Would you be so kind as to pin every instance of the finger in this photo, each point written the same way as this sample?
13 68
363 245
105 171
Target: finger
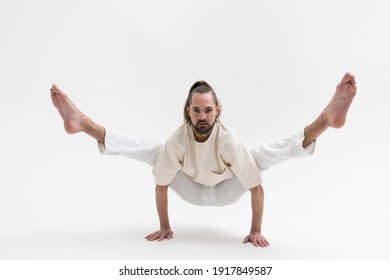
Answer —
153 236
148 236
161 237
264 242
246 239
165 235
253 241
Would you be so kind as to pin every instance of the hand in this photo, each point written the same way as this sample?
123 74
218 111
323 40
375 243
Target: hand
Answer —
160 235
256 239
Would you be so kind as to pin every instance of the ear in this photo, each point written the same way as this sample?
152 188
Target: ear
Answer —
188 110
218 108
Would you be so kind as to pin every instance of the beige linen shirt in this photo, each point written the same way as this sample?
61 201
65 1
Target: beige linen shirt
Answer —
219 158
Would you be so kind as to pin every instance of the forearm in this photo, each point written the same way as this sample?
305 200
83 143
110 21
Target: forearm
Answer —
162 206
257 200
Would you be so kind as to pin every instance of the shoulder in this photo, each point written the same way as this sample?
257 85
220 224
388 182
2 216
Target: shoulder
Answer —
179 136
227 137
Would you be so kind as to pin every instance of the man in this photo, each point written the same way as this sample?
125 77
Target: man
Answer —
203 161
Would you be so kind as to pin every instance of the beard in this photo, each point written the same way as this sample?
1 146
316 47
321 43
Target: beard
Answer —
203 127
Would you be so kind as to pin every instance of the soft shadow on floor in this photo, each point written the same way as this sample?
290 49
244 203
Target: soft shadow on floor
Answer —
189 242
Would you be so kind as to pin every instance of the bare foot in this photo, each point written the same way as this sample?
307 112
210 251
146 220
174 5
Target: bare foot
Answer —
336 111
73 118
335 114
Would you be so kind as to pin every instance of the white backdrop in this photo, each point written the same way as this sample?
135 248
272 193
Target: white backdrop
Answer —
129 65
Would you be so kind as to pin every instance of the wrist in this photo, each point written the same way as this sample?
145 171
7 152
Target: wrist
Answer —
252 231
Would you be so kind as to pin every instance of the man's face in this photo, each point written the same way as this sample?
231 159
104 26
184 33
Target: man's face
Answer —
203 112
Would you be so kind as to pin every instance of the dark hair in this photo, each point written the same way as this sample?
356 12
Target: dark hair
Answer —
200 87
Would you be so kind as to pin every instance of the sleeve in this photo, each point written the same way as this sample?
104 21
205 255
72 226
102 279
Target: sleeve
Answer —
243 165
169 162
127 145
274 152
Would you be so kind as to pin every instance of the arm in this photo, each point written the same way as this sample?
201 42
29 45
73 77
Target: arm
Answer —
244 168
168 163
257 200
162 210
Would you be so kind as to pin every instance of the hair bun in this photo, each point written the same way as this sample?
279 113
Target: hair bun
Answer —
198 84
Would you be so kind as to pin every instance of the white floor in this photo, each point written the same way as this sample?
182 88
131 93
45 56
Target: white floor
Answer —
305 217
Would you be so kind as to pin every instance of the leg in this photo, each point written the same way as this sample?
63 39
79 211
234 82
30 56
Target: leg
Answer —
335 114
129 146
302 143
225 193
74 120
189 190
229 191
272 153
110 143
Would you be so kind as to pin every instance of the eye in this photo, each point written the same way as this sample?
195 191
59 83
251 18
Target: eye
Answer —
196 110
208 110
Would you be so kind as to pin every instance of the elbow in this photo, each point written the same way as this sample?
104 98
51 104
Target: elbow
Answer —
161 189
258 190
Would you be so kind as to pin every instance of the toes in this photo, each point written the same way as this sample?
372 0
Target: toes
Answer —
347 77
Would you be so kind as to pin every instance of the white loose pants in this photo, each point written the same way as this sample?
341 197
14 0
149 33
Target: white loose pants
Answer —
227 192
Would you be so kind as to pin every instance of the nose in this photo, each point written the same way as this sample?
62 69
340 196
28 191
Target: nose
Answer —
201 116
